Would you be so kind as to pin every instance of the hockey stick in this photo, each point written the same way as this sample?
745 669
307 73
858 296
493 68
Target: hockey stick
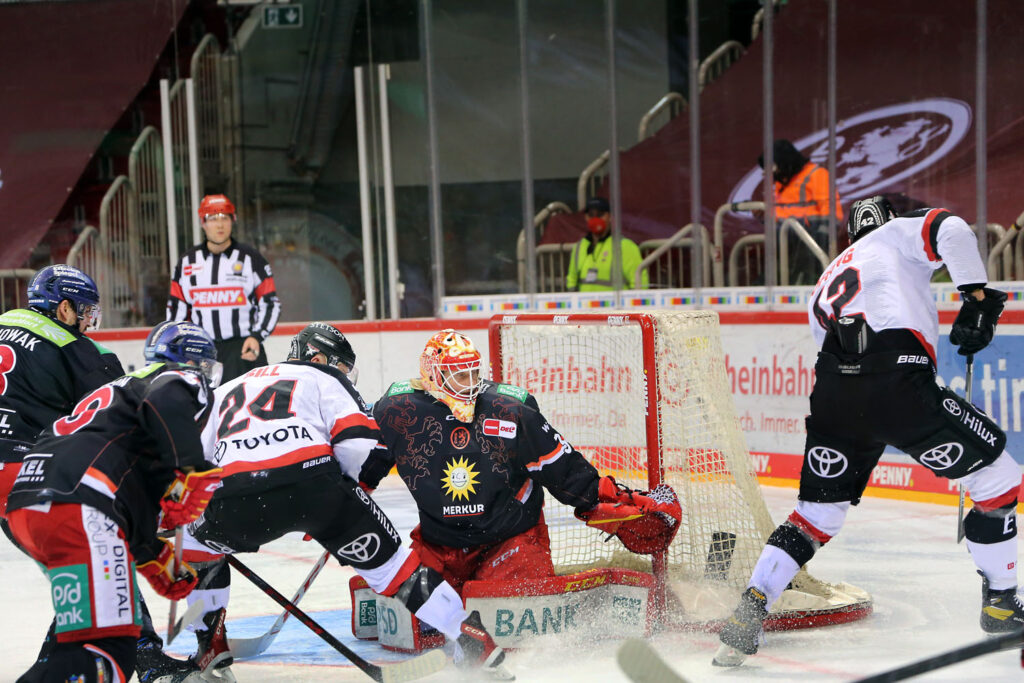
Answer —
244 648
969 380
179 537
408 670
1005 641
642 664
195 609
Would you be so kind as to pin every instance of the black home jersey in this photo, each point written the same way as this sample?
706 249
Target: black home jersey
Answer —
481 482
45 368
231 295
118 450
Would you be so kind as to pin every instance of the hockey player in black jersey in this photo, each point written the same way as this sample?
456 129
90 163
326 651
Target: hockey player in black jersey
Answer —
46 362
292 438
91 493
873 316
476 457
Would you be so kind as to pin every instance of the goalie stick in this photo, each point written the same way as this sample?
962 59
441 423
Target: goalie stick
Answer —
407 670
245 648
1006 641
968 380
642 664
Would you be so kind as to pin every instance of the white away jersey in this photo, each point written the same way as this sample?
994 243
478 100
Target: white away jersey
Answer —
885 276
289 415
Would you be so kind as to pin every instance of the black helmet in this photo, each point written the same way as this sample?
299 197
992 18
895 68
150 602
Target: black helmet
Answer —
322 338
868 214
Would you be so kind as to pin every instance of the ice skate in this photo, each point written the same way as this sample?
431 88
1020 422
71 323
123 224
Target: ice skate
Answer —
214 658
153 665
742 632
1001 610
478 649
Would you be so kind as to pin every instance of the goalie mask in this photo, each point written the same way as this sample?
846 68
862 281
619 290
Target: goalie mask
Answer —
450 372
867 215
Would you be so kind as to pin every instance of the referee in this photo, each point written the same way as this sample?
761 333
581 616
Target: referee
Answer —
226 288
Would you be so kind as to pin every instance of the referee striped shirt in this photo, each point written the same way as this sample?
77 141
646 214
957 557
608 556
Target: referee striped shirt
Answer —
230 295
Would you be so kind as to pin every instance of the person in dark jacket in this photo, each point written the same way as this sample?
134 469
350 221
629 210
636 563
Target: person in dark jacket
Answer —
93 491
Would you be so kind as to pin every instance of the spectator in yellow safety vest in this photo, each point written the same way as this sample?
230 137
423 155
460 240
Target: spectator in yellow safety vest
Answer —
590 267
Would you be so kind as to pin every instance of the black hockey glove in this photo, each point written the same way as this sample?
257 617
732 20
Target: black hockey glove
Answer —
976 322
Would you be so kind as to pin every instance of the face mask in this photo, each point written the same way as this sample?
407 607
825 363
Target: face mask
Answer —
596 224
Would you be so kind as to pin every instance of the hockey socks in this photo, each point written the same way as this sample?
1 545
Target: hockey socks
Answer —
775 569
992 542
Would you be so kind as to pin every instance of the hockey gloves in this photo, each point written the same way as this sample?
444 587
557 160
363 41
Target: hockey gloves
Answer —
976 322
160 574
645 522
188 495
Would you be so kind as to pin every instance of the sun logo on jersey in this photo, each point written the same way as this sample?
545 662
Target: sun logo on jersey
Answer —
459 478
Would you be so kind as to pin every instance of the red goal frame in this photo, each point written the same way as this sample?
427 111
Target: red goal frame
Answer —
655 464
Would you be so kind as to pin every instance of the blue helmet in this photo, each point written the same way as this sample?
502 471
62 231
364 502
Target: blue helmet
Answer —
55 283
175 341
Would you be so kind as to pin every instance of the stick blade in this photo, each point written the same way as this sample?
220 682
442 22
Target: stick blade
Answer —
416 667
191 614
642 664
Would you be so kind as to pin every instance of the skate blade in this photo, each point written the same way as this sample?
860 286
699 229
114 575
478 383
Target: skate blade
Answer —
728 656
218 676
190 677
499 673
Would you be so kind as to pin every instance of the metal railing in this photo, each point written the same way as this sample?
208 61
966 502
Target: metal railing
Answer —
119 268
672 102
755 25
205 70
805 237
715 64
666 260
182 170
591 178
539 222
1012 267
14 287
751 249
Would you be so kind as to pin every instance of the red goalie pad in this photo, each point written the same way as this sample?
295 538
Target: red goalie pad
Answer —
645 522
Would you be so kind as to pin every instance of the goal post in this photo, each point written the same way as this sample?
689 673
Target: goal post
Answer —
645 397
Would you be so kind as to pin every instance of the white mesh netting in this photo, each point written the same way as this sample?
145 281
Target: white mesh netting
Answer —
588 379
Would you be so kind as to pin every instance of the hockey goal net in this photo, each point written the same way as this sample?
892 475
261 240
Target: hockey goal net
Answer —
645 397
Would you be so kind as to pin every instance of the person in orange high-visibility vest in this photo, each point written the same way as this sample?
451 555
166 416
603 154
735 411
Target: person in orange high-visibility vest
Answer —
801 193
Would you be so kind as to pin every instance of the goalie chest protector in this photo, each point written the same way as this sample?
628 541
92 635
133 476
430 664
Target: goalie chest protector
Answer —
474 483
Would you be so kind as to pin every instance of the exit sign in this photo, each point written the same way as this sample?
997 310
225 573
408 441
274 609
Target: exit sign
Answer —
282 16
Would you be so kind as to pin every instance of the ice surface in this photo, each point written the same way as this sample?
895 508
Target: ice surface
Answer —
927 600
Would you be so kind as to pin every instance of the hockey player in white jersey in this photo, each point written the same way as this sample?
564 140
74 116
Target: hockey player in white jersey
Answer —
873 316
280 433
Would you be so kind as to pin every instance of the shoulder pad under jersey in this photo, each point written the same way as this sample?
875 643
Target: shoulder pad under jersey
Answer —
512 390
403 387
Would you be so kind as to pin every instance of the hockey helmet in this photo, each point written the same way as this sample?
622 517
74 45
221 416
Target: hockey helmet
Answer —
175 341
447 354
60 282
326 339
215 205
868 214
